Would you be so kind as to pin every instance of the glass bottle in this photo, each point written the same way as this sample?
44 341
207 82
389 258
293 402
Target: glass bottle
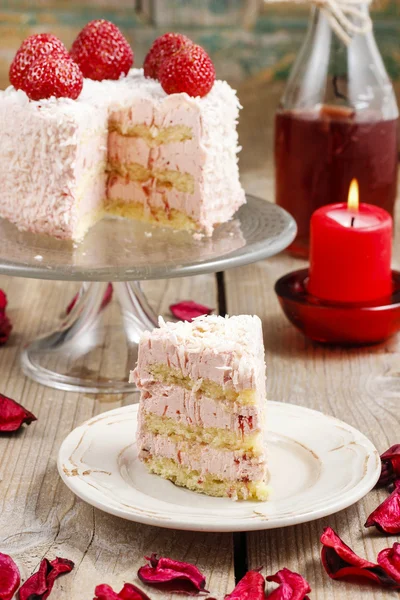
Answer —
337 120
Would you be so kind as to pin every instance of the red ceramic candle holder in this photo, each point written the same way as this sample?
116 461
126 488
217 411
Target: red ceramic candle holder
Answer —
338 323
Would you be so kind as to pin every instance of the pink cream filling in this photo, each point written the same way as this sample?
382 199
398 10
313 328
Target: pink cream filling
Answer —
179 157
185 157
223 464
184 406
125 150
122 190
141 112
205 364
150 195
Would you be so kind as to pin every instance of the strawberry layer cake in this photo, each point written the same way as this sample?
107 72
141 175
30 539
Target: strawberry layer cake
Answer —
202 405
84 136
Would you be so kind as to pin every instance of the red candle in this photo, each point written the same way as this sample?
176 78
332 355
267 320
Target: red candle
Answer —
350 251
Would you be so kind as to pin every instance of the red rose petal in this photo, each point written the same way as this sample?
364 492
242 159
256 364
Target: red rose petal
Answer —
389 559
3 301
387 516
250 587
40 584
105 592
9 576
187 310
390 466
340 561
292 586
128 592
283 592
5 324
106 299
5 328
13 415
172 576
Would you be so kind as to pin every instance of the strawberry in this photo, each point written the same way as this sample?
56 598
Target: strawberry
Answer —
101 51
190 70
34 47
53 75
163 48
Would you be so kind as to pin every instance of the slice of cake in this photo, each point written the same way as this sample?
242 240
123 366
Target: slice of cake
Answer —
202 405
123 147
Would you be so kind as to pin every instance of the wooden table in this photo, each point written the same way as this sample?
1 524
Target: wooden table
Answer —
40 517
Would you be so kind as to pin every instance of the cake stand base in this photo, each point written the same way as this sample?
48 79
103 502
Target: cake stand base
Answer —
96 344
346 323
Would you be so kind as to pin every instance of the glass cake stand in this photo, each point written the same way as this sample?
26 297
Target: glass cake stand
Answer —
95 344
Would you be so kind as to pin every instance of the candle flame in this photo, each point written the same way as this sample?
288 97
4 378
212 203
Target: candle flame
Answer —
353 202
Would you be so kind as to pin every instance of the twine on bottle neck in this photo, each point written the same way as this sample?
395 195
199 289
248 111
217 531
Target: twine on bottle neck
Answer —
346 17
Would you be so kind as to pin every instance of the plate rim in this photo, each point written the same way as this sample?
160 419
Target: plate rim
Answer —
365 485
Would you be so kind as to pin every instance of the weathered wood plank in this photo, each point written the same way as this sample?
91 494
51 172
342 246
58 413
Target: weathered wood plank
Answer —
39 516
359 385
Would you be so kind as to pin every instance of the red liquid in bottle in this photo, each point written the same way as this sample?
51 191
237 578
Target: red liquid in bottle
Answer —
317 154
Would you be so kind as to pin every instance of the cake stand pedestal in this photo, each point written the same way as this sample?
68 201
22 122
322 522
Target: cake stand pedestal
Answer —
95 344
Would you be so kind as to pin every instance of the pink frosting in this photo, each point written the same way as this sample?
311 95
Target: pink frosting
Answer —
191 157
147 193
229 352
128 150
49 147
140 112
202 458
121 189
186 407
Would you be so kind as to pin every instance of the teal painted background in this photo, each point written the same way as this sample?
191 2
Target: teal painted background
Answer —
247 39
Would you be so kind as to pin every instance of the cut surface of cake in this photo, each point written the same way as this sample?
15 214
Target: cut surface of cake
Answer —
123 148
202 405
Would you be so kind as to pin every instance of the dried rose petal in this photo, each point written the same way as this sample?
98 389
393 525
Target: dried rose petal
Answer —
106 299
128 592
40 584
172 576
5 328
187 310
105 592
292 586
9 573
390 466
250 587
13 415
3 301
389 559
283 592
340 561
5 324
387 516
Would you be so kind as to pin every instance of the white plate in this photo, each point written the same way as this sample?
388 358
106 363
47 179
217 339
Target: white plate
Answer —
318 465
